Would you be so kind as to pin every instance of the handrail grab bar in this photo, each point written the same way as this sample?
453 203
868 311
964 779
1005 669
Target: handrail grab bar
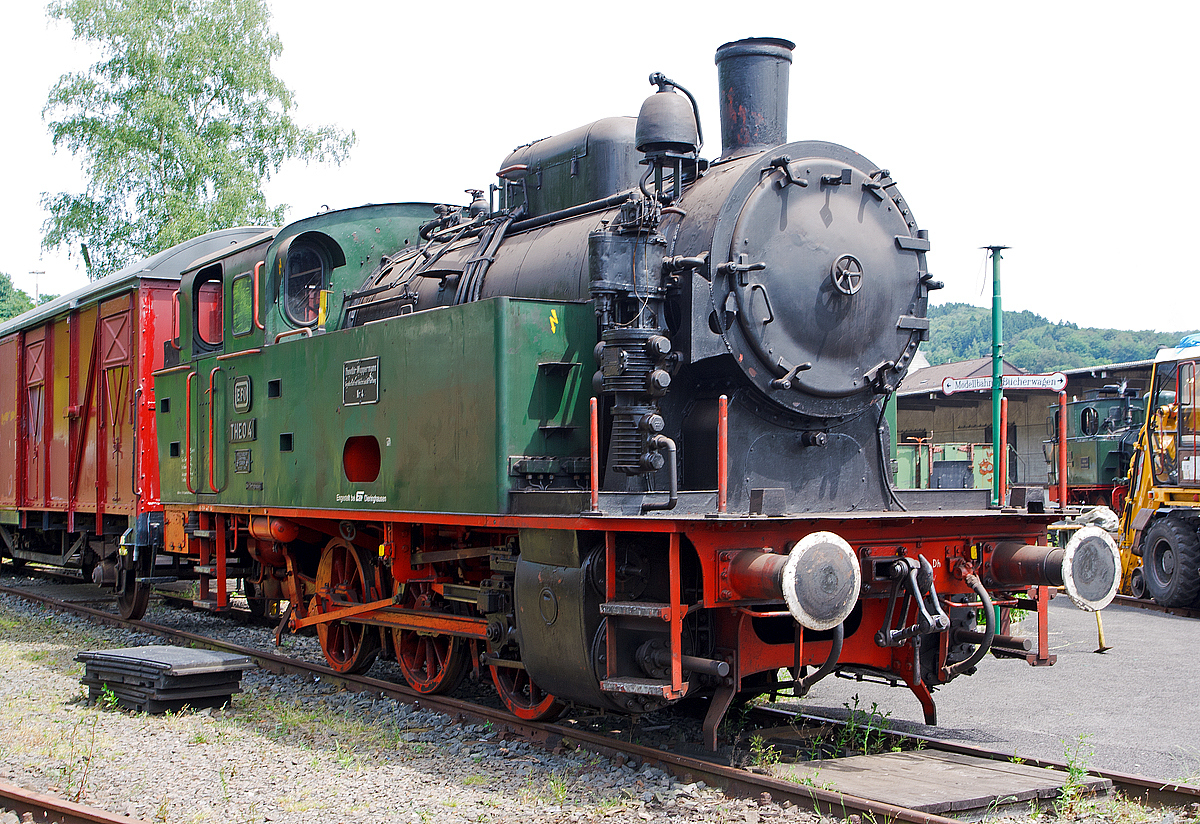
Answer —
187 427
212 414
254 281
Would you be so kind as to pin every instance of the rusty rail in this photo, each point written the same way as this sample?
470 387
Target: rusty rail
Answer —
51 808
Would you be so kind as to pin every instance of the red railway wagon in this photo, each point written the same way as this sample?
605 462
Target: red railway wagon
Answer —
78 461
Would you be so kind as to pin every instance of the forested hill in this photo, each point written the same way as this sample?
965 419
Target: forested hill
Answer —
959 331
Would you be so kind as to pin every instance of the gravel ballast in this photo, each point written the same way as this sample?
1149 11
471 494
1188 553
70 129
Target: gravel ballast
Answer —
291 748
299 749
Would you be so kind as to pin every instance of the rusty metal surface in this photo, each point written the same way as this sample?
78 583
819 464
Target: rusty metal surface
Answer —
58 810
1152 606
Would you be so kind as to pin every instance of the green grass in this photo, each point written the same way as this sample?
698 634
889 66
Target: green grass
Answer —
763 754
1077 755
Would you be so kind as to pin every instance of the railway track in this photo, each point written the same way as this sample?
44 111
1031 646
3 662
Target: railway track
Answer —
1147 604
49 808
1168 793
743 782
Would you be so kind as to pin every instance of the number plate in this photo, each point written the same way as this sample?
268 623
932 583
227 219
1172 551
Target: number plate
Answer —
360 381
243 430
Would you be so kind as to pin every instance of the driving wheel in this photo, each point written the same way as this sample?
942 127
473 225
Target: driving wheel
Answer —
522 697
431 663
343 579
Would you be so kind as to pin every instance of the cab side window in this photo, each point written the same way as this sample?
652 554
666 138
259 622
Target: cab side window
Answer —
210 310
305 275
242 304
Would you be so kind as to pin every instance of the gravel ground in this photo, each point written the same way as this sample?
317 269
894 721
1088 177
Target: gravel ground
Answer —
298 750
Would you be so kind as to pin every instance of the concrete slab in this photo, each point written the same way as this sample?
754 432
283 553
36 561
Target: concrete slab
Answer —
936 782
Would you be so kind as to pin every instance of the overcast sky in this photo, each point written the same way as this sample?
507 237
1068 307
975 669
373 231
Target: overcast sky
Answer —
1064 130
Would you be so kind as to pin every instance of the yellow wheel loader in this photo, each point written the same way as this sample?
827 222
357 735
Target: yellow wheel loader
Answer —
1160 519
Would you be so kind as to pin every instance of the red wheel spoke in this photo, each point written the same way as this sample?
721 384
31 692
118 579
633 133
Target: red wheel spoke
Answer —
522 697
431 664
344 572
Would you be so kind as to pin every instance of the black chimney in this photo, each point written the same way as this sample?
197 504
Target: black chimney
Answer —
753 79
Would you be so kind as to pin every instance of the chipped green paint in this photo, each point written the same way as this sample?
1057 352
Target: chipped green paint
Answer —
459 392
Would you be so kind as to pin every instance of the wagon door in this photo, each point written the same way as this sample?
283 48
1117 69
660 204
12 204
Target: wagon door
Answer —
34 411
115 442
10 398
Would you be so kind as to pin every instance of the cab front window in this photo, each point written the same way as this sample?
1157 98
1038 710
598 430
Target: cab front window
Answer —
305 275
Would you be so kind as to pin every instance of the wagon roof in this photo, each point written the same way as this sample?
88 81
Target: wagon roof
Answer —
165 265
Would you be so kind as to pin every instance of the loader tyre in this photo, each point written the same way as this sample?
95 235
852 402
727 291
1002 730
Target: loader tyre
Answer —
1171 562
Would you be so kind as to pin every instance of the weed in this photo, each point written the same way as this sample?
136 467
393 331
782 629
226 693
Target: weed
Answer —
164 806
302 802
861 728
199 738
762 754
1187 765
475 780
1076 756
225 782
346 759
993 808
735 721
108 698
75 772
557 782
1120 807
811 781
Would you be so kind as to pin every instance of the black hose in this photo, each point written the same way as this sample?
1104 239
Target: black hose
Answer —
885 453
642 182
489 253
835 652
989 632
470 285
